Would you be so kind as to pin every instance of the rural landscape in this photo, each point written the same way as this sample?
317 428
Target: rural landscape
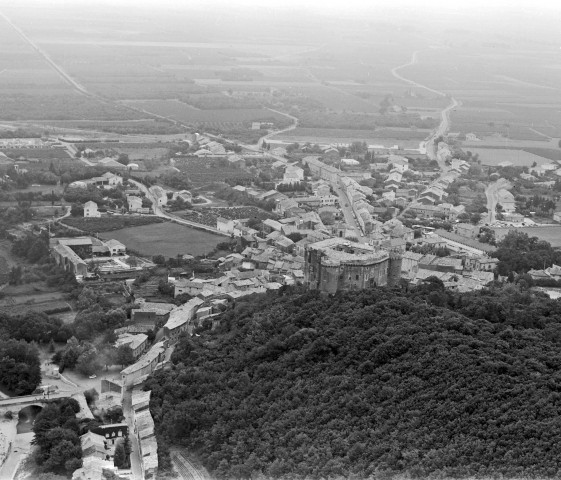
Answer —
278 242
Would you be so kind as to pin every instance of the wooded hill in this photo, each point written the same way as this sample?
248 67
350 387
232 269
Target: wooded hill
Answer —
370 384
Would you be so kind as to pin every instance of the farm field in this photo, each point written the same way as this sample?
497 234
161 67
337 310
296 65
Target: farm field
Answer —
204 171
168 239
212 118
108 223
519 158
549 234
38 153
343 136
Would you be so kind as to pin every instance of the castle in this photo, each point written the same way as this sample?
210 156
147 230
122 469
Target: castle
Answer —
336 264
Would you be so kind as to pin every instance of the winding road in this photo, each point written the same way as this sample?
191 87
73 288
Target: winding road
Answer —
442 127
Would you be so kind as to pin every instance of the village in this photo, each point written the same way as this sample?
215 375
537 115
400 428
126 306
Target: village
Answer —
330 218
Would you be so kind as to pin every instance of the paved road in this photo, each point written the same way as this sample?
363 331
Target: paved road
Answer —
160 213
348 213
492 194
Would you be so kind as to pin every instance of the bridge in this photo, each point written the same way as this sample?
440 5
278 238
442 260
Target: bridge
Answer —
25 400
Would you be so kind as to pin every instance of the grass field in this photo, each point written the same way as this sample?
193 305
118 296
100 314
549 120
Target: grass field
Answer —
494 156
549 234
168 239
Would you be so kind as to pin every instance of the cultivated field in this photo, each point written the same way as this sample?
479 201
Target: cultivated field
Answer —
520 158
549 234
168 239
108 223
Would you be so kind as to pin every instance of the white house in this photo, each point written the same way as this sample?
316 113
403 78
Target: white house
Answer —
112 179
115 247
134 203
90 210
159 195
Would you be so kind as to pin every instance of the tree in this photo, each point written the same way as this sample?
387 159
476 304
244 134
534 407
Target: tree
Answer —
77 210
119 459
123 158
124 356
15 275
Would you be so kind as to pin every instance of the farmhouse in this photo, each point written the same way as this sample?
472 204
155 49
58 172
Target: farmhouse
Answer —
116 247
90 210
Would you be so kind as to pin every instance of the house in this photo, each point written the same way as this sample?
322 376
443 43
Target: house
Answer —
111 179
90 210
278 151
151 314
145 365
93 445
225 225
184 195
180 318
270 225
506 200
134 203
349 162
137 343
557 217
159 195
293 174
115 247
468 230
396 160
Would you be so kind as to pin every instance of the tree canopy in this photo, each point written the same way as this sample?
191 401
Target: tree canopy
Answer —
370 383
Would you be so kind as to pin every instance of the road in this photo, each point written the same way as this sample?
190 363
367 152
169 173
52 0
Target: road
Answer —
442 127
492 194
160 213
348 213
186 469
278 132
135 450
67 78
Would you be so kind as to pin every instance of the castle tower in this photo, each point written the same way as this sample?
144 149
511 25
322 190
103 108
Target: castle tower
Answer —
394 268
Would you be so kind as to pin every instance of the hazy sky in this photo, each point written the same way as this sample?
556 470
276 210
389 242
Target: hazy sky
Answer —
332 5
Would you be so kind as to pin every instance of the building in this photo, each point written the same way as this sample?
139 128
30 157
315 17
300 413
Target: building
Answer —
159 194
68 253
93 445
468 230
90 210
139 371
111 433
137 343
337 264
134 203
115 247
180 318
151 314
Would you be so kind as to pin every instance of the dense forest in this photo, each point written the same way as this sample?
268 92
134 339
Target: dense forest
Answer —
370 384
